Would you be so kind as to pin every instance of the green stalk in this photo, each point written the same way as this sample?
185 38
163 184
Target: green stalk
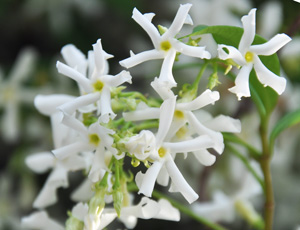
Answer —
246 163
198 78
265 163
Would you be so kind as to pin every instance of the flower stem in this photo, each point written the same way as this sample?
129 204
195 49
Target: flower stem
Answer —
265 163
246 163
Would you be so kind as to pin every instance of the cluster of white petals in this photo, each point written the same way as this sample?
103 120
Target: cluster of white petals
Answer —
247 56
91 135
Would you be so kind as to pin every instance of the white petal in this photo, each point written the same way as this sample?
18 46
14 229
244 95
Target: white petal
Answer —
145 23
23 66
84 100
105 106
241 88
223 123
61 134
74 123
163 177
141 57
106 218
100 60
146 209
10 123
205 157
47 104
175 126
75 75
184 188
71 149
166 74
166 116
148 179
40 162
162 88
178 21
119 79
79 211
199 128
98 167
40 220
83 192
167 211
249 31
206 98
47 196
188 20
193 51
74 163
74 58
140 115
200 142
268 78
272 46
230 52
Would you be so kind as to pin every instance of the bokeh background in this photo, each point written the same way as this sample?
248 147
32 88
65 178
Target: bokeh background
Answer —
36 30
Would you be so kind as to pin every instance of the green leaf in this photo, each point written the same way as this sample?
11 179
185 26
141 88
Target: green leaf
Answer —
287 121
265 98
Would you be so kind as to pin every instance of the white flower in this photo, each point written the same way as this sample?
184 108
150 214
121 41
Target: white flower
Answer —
223 207
42 162
141 145
13 94
94 138
40 220
247 56
162 155
165 45
186 124
146 209
95 89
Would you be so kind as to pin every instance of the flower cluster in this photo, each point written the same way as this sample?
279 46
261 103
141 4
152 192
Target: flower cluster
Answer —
99 130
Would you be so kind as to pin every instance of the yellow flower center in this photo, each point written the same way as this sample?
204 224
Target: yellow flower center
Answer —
178 114
165 45
162 152
249 57
98 85
181 132
94 139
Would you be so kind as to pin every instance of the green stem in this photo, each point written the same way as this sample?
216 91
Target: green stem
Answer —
265 163
182 208
197 80
145 125
253 152
246 163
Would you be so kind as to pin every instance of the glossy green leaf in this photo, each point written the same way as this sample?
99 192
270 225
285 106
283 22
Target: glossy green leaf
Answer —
287 121
265 98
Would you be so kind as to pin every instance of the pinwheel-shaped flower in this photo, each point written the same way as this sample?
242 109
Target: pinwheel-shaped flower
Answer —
94 138
247 56
165 45
97 88
160 153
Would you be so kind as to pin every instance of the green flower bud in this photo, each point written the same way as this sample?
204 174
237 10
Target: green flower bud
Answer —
73 223
213 81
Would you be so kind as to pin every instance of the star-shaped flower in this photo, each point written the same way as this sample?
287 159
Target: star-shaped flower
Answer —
97 88
165 45
247 56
